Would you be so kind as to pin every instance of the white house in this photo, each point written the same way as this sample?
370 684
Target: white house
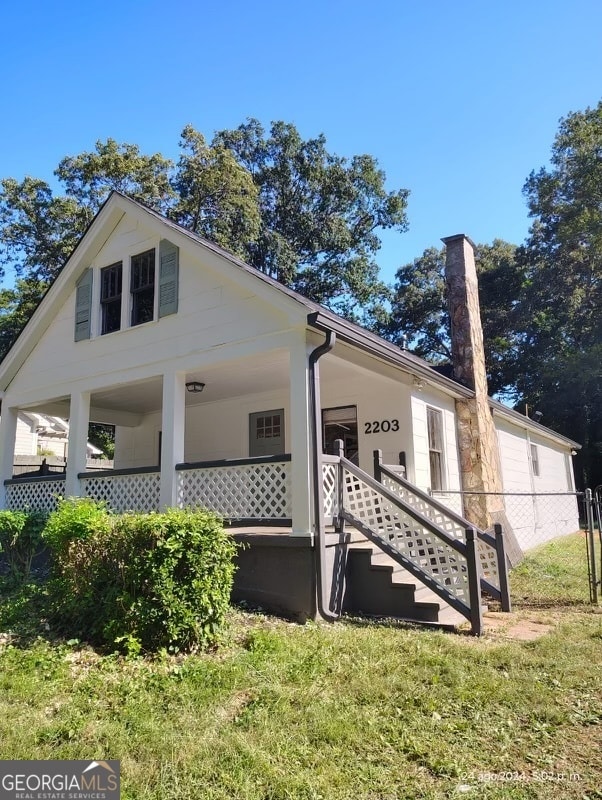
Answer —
41 434
225 388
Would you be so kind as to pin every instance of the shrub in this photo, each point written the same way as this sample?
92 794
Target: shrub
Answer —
21 540
143 581
75 519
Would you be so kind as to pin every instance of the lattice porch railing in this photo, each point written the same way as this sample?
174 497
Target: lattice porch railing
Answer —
240 489
490 548
35 494
131 490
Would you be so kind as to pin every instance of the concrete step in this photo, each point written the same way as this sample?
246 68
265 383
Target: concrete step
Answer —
374 561
372 591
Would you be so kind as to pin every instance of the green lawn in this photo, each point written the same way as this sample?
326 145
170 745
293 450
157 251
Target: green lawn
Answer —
555 573
352 711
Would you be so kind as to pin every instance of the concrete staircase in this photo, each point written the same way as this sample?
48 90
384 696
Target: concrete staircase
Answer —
378 586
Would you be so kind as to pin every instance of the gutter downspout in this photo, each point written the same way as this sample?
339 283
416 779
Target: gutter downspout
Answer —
316 444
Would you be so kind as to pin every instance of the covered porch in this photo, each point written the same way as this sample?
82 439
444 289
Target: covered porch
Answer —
232 436
236 435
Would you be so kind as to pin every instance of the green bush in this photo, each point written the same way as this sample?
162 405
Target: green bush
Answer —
21 540
75 519
141 581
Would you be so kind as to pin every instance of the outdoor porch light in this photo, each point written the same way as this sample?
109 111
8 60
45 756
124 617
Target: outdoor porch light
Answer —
195 387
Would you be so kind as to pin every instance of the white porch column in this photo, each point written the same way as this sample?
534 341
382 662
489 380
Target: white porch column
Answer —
300 440
8 434
79 420
172 436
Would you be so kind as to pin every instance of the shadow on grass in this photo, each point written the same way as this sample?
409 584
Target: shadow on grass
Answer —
525 603
404 624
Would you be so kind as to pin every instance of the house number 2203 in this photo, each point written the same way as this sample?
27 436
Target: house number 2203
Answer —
382 426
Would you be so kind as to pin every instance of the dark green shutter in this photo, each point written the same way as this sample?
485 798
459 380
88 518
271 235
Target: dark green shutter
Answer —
168 278
83 306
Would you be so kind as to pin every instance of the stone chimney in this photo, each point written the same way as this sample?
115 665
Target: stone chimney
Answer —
477 440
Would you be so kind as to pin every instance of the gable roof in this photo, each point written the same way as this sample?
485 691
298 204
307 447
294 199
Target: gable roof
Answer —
318 317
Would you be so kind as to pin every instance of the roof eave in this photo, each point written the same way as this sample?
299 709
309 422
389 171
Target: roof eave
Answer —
501 410
386 351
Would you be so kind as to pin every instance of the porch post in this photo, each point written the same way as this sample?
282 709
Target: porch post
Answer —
8 435
79 420
173 425
300 439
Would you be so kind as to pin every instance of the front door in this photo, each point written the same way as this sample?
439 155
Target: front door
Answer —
341 423
266 433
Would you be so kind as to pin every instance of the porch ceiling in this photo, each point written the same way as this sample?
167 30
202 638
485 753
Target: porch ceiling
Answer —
252 376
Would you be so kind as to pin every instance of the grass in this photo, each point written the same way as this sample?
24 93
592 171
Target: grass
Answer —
354 711
555 573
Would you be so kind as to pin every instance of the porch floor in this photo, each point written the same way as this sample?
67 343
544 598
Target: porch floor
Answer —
260 530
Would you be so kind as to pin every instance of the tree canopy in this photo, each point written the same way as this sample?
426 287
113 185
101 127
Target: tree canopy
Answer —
419 309
540 302
288 206
320 215
561 345
311 220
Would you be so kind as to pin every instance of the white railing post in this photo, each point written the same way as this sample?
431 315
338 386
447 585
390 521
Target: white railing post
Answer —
8 433
173 422
300 440
79 420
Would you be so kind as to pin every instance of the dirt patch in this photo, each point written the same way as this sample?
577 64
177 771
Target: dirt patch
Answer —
518 627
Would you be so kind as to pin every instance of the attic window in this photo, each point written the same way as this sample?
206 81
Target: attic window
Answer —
142 287
110 297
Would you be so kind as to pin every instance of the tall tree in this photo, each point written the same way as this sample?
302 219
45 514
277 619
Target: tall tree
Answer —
419 309
216 196
288 206
39 229
320 215
561 350
90 177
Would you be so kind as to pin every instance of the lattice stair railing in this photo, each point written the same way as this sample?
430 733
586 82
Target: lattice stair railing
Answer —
330 488
448 566
492 558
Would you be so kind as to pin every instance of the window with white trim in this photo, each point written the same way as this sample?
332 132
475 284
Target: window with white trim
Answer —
434 421
535 460
110 298
142 287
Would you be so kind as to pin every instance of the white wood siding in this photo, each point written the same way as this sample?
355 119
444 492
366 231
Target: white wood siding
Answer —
26 440
214 311
537 506
377 398
451 468
213 431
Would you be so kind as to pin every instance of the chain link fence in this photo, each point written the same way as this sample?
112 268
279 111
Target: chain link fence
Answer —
560 541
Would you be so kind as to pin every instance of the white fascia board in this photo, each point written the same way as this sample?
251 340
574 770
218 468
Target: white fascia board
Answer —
59 291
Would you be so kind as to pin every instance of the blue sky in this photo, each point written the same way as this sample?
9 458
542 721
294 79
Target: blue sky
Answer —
457 100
